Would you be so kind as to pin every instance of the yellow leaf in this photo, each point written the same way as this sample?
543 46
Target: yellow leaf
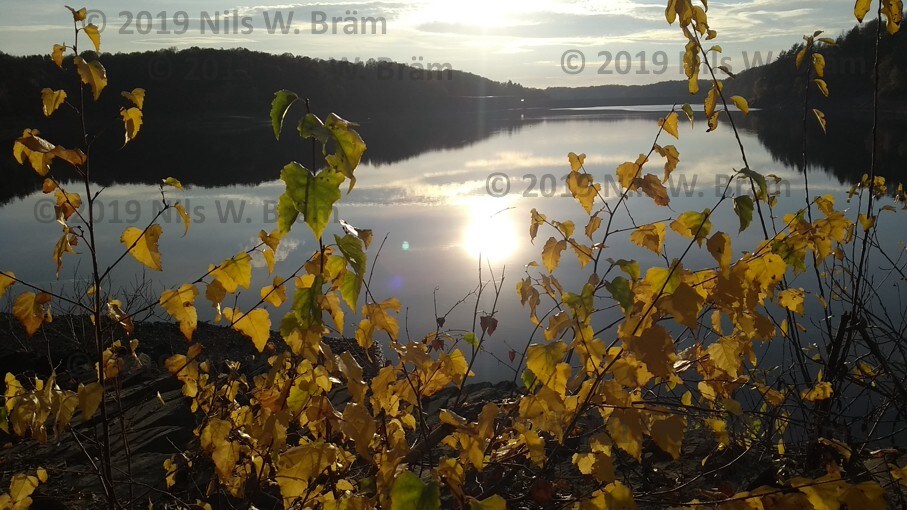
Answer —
576 162
618 496
63 246
821 118
684 304
271 240
41 473
94 34
269 260
741 104
693 225
865 496
669 124
143 246
629 171
597 464
626 429
187 221
650 236
299 466
136 97
377 314
170 181
94 75
52 99
668 434
861 8
67 204
255 325
180 304
32 311
6 282
492 503
215 293
711 99
79 15
90 399
726 354
546 362
655 348
132 120
651 185
551 253
719 428
583 189
792 299
359 426
275 294
894 14
21 487
720 248
899 474
672 157
823 87
57 55
819 392
235 272
824 493
866 222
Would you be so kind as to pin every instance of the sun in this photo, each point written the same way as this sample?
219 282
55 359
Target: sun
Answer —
490 230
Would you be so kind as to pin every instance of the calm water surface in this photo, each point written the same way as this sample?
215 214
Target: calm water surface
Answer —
432 201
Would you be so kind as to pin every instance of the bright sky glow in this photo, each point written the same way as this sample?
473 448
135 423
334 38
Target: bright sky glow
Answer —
519 40
491 230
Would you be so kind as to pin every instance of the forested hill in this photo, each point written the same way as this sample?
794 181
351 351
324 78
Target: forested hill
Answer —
779 84
848 72
242 81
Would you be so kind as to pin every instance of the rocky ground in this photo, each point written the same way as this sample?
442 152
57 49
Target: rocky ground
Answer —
154 418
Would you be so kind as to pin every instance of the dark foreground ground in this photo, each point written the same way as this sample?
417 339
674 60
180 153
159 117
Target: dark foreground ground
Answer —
154 418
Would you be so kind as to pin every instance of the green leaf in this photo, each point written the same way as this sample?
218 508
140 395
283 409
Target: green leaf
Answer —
349 147
351 285
760 180
743 206
311 127
283 100
312 196
529 380
351 247
687 109
631 267
472 340
305 304
411 493
286 213
620 291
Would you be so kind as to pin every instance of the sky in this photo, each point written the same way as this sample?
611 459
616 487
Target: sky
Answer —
538 43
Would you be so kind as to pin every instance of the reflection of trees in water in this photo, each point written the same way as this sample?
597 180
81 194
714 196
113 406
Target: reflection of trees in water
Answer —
211 152
843 152
208 151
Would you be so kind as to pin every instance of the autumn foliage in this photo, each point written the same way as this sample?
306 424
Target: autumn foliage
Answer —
680 366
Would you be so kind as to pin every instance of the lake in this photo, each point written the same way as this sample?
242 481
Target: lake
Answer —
443 191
